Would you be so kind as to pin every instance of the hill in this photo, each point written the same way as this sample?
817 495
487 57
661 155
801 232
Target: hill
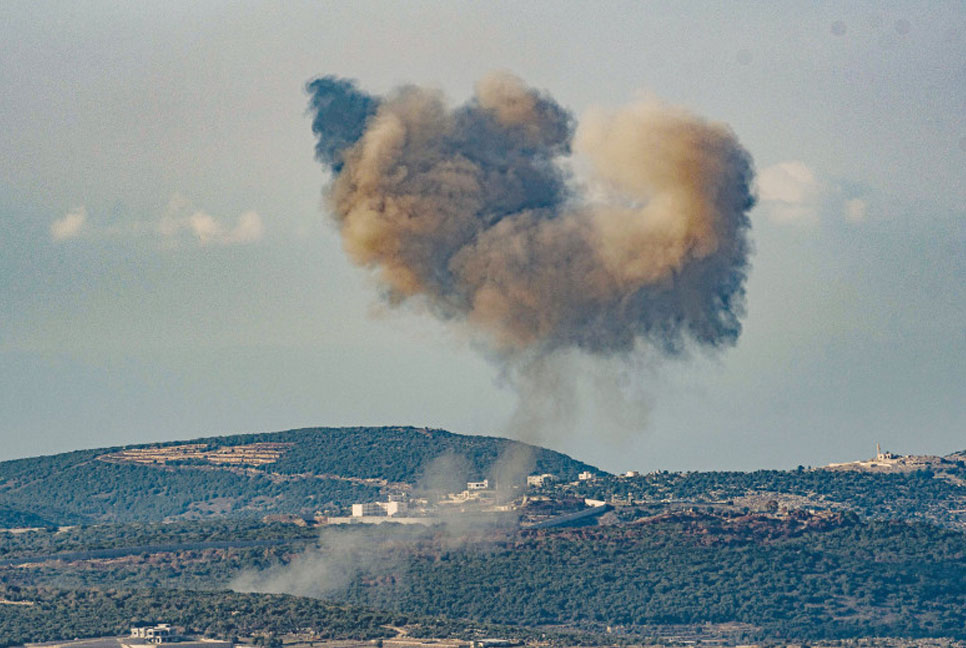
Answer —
805 554
822 576
937 497
306 471
800 575
44 614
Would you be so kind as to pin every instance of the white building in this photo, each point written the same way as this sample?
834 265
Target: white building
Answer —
480 485
585 476
540 480
375 509
153 634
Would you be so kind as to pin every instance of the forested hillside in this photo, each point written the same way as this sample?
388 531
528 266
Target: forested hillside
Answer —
44 614
831 577
317 470
793 576
801 554
920 495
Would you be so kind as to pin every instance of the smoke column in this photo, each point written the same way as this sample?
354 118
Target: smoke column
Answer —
474 212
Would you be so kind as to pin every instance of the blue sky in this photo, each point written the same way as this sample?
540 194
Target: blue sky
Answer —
167 269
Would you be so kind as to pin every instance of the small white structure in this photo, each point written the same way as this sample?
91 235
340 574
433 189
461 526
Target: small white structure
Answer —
153 634
480 485
632 473
585 476
540 480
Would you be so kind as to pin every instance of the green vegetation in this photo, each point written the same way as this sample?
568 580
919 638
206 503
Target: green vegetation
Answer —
401 454
834 579
323 471
835 555
795 576
15 518
98 490
51 614
65 614
46 541
900 496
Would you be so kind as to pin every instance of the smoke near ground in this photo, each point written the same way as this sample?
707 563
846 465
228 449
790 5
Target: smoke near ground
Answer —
474 211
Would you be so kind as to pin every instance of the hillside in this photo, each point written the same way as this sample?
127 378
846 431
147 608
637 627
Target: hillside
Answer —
808 577
43 614
306 471
922 495
747 577
806 554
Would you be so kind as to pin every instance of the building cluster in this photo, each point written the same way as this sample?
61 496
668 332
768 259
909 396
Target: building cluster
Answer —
479 497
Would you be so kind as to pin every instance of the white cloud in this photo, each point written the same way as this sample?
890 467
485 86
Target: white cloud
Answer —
180 223
206 228
181 218
70 225
856 210
789 192
249 228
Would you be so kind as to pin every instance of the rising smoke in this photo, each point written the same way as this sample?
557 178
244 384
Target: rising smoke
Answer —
475 212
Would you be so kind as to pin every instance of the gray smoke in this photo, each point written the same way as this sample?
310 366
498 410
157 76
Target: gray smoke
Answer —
349 554
474 212
470 210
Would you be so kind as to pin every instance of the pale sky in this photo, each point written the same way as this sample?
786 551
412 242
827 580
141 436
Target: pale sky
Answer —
167 269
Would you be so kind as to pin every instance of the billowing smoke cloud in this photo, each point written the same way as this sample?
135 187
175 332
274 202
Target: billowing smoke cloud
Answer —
472 210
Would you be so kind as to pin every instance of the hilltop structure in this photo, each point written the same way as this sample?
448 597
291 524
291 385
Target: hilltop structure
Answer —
885 461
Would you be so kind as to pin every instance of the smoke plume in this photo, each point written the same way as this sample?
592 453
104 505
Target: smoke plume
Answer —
471 210
475 212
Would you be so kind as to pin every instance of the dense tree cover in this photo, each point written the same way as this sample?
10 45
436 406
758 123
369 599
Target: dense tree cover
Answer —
914 495
310 476
857 579
401 454
16 518
129 492
185 568
65 614
49 541
54 614
798 576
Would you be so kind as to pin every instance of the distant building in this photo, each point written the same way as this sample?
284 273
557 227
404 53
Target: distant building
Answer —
494 643
884 456
632 473
585 476
367 509
374 509
156 634
540 480
480 485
